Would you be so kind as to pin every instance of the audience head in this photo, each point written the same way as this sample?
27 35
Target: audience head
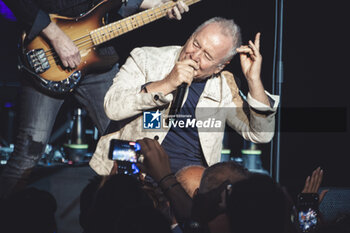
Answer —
215 175
257 204
189 177
209 203
120 196
29 210
142 219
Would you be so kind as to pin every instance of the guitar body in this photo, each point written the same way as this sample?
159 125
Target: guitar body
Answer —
57 78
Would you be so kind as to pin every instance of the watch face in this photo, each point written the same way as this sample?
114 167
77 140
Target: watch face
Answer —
307 220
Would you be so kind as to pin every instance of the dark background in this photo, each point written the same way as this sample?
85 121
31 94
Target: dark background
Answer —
315 81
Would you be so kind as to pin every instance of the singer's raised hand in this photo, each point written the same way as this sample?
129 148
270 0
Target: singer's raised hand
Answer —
251 59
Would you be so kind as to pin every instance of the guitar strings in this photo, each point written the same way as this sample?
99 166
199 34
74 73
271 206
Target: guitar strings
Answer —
188 2
121 27
89 41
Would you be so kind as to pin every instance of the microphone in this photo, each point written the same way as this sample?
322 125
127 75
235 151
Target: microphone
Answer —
176 104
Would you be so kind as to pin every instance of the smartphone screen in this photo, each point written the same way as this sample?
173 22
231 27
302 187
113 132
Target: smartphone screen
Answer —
307 211
125 153
121 150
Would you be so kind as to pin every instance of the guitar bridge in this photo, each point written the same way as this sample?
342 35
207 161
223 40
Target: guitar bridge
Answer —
38 60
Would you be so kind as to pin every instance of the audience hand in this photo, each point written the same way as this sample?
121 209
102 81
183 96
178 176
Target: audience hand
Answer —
312 184
114 171
156 161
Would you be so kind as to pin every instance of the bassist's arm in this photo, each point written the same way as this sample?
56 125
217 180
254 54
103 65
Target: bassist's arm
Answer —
36 21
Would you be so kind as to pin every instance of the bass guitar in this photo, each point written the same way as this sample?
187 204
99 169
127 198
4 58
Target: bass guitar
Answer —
88 31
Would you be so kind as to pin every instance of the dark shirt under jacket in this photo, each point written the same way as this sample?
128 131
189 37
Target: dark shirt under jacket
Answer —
182 144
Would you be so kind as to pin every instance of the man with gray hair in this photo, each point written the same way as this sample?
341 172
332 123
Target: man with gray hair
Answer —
148 82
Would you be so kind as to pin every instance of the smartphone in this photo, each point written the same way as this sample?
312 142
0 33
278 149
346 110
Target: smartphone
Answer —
125 153
308 212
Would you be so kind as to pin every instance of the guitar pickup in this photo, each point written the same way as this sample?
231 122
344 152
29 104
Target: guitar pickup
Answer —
38 60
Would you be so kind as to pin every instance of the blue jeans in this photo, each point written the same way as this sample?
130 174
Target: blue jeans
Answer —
38 112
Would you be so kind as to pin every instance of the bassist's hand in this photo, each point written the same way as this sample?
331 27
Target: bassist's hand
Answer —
63 45
177 11
174 13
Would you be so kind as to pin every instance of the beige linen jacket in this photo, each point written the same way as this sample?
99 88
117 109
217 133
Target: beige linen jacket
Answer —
220 100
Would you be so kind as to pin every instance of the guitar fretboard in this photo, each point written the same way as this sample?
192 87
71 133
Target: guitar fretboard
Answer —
130 23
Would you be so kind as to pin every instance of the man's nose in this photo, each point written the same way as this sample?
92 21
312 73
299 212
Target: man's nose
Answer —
196 56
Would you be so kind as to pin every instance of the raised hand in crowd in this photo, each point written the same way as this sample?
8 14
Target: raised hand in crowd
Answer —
155 160
313 182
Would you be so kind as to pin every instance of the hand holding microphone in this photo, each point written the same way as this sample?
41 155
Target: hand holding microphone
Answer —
181 76
183 72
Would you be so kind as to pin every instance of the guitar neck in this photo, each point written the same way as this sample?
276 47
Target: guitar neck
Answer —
113 30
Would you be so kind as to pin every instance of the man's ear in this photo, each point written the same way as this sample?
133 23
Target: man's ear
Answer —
221 67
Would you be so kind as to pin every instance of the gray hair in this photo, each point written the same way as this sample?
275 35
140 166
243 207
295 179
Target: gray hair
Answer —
228 28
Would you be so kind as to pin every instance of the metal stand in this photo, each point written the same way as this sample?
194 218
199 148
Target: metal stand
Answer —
76 146
277 89
251 156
